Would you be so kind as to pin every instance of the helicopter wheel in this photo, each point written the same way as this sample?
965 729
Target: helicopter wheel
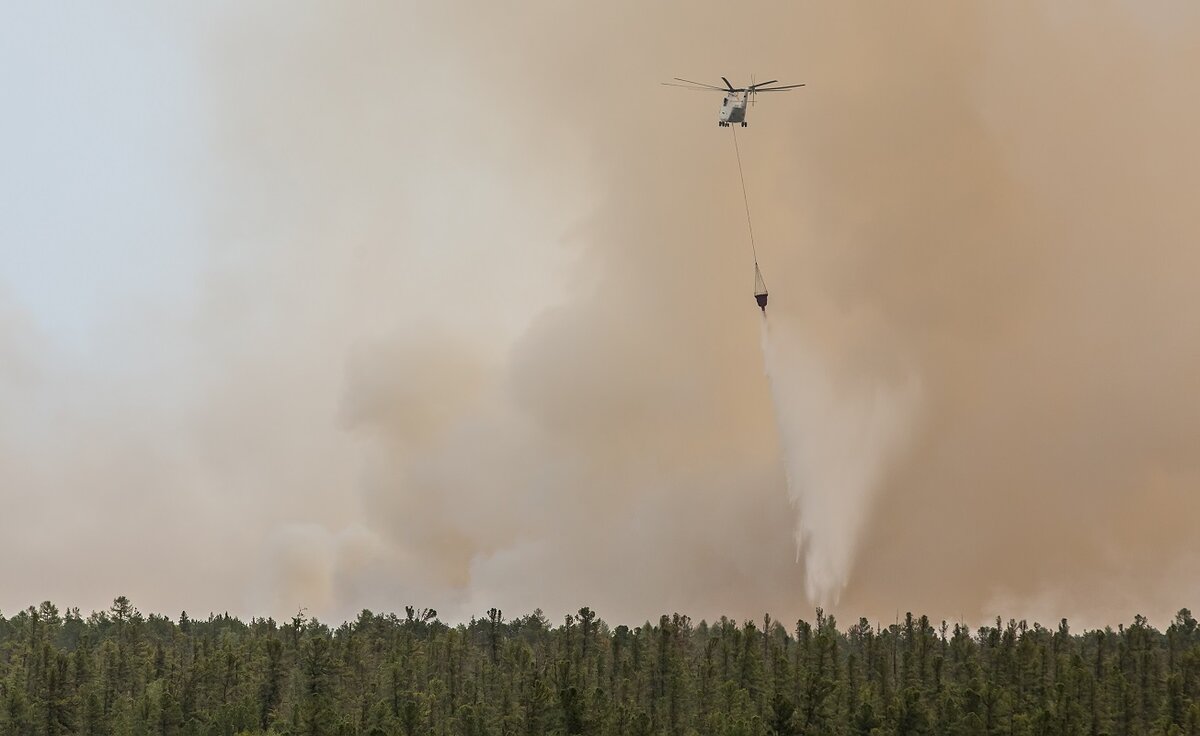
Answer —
745 124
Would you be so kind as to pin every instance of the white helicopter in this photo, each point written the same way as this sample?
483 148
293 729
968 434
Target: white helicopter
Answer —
733 107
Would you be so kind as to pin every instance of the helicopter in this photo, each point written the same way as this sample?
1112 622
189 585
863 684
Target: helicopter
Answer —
733 107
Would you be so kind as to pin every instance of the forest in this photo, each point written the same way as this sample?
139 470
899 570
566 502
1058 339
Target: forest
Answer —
121 673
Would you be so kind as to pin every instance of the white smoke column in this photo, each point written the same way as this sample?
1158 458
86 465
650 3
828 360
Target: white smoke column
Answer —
839 428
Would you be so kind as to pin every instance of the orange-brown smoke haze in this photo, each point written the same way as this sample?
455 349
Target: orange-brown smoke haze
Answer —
476 329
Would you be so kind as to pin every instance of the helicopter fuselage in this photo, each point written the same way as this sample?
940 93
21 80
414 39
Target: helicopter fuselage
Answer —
733 105
733 109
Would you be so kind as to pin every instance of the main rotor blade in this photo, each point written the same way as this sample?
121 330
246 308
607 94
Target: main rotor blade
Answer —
779 89
727 84
695 89
763 84
697 83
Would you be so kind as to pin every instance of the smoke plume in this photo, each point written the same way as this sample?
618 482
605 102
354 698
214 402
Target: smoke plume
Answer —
468 320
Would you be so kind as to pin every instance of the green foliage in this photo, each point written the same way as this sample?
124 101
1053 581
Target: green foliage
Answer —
119 673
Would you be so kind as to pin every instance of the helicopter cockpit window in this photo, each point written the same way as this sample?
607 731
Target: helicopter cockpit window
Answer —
724 102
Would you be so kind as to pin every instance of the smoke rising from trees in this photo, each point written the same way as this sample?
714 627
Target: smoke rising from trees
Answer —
472 324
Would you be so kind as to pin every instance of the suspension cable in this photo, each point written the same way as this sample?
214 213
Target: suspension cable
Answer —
745 199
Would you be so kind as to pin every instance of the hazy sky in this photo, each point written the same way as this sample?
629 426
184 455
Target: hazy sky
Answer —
347 306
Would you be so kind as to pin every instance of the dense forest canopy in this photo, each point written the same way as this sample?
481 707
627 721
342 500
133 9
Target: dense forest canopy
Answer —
122 673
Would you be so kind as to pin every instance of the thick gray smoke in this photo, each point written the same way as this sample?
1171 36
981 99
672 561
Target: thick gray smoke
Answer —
943 213
472 322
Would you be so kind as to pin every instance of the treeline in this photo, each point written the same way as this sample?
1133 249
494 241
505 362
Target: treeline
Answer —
119 673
